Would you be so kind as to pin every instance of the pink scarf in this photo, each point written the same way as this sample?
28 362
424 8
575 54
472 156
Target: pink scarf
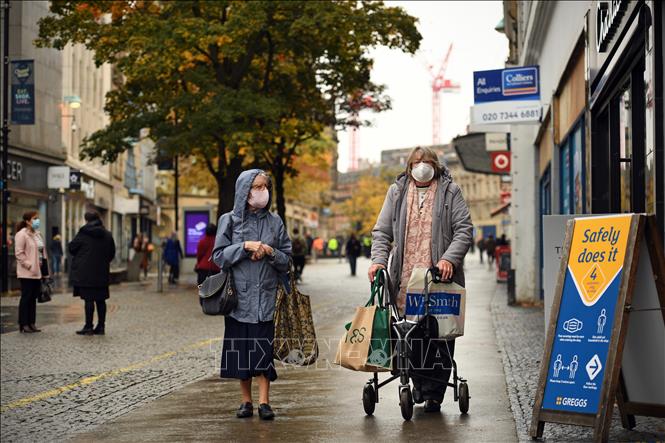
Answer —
418 236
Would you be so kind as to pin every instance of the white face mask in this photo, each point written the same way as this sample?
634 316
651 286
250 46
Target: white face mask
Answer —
422 172
259 199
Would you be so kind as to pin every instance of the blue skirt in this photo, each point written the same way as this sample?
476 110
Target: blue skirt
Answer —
247 349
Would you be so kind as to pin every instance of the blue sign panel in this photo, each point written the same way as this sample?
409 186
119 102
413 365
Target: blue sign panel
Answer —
506 84
23 92
586 315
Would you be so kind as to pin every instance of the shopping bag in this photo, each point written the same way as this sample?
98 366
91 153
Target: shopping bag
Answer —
295 337
365 345
447 304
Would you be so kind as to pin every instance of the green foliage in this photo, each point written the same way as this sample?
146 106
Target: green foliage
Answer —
229 81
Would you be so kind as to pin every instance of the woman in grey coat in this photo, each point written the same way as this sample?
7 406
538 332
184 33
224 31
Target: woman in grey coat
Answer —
252 243
424 222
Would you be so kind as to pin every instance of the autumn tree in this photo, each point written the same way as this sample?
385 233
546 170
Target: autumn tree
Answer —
363 208
228 81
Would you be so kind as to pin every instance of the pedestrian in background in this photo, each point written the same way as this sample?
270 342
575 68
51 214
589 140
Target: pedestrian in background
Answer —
253 243
55 248
317 248
367 246
353 249
92 251
172 256
426 216
204 264
31 267
481 248
333 246
310 241
490 248
299 248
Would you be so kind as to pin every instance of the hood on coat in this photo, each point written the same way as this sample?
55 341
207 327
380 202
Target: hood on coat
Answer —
243 187
94 228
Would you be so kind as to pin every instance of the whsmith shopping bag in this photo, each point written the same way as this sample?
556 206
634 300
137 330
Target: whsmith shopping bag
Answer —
365 345
447 304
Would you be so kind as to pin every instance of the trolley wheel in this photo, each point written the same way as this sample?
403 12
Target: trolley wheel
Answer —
406 403
369 399
463 398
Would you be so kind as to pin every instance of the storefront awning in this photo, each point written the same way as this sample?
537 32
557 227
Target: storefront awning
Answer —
503 209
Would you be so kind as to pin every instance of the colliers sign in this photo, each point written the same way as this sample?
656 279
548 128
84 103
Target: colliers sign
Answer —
608 18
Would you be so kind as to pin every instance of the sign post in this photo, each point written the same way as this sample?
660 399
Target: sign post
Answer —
581 370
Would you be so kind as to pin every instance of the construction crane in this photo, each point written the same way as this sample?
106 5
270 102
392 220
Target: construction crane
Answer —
358 102
440 84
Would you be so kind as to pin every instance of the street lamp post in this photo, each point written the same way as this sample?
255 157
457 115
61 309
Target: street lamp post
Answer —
4 266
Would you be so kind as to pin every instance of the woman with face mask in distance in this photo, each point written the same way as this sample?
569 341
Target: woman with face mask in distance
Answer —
31 267
424 222
253 243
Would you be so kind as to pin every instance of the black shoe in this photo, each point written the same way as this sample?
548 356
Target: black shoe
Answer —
26 329
432 406
33 328
87 330
245 410
266 412
99 330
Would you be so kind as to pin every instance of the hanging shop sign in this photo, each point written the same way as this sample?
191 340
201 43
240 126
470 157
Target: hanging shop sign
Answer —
506 96
23 92
58 177
195 227
582 372
500 161
506 84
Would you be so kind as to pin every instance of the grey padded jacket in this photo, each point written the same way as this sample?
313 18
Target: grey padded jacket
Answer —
255 281
452 230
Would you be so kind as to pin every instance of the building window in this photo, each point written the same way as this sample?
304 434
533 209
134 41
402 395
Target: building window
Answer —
572 177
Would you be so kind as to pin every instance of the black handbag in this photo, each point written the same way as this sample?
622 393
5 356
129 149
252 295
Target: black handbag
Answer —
218 294
45 290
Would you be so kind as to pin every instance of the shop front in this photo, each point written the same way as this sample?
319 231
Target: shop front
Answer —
624 42
28 192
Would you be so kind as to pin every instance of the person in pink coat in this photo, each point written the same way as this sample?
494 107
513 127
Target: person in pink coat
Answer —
31 267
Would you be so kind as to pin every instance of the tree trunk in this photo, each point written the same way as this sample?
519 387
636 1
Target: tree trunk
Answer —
226 185
278 171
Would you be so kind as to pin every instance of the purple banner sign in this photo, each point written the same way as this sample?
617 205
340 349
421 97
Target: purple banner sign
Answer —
195 228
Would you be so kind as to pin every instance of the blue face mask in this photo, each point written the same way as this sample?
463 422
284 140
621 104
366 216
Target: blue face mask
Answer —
35 224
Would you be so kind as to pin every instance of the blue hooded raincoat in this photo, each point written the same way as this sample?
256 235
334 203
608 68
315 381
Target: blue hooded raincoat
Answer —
256 281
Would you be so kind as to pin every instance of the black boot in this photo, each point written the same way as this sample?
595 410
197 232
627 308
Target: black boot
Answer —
87 330
99 330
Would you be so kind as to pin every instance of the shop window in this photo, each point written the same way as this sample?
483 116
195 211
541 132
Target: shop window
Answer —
571 153
625 148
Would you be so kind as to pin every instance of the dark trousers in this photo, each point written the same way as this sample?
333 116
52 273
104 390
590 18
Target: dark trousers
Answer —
431 358
352 262
27 306
90 311
298 265
174 273
481 256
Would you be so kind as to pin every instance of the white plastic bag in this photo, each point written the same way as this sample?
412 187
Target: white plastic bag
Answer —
447 304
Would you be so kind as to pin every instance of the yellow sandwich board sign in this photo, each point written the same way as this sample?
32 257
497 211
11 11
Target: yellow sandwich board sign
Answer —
581 372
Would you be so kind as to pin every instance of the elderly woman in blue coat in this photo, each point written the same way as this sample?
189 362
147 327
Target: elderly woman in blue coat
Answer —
253 243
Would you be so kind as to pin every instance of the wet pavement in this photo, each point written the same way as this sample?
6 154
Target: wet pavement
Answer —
323 402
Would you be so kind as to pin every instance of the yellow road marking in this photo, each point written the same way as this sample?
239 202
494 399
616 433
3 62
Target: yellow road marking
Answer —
94 378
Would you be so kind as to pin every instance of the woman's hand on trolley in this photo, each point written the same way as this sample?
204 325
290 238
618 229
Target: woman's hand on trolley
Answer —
446 268
373 270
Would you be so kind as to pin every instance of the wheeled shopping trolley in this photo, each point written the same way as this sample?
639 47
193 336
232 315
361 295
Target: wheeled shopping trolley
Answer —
402 330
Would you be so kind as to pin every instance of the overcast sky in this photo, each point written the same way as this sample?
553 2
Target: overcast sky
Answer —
476 46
